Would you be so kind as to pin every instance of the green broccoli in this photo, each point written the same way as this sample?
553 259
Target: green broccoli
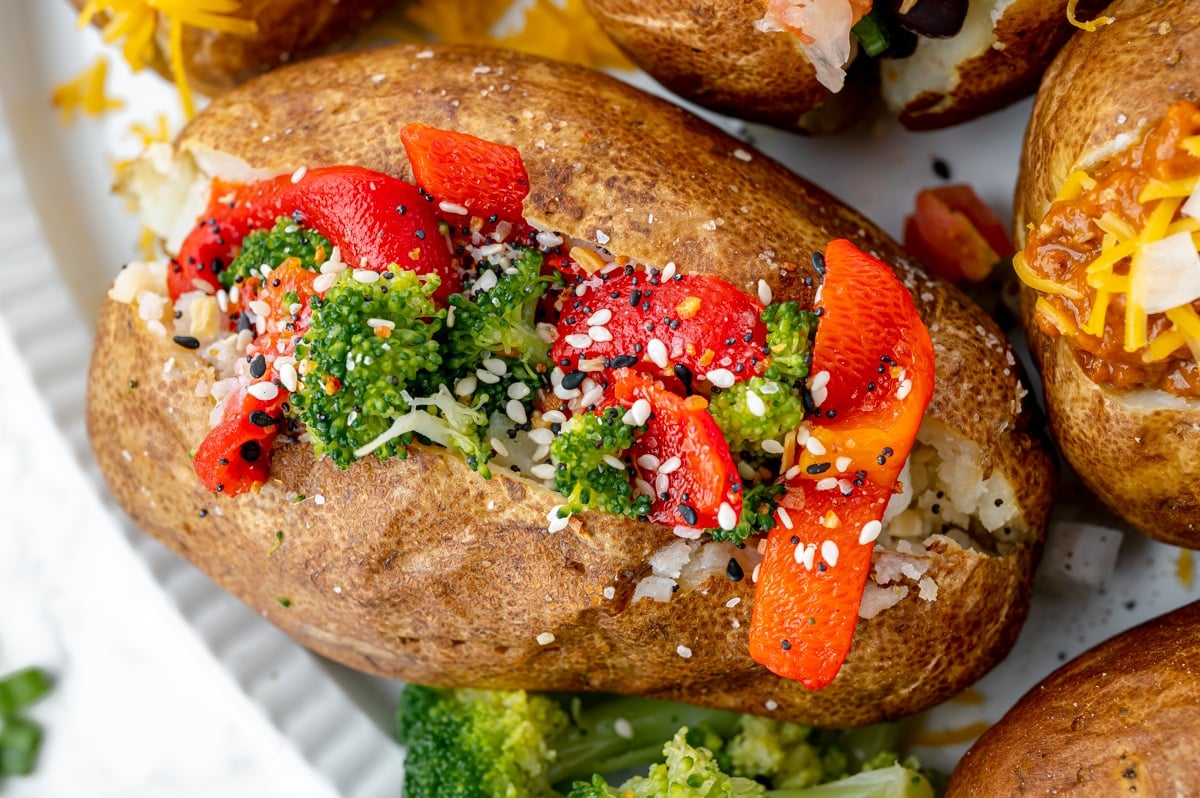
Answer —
790 332
501 744
584 473
269 248
366 343
759 501
756 410
691 771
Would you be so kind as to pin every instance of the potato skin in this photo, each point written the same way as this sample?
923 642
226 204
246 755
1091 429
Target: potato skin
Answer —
1138 451
709 52
1122 718
288 30
419 569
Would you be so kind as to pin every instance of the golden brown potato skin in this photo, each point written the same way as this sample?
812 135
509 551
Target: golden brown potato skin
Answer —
709 52
288 30
1121 719
421 570
1142 461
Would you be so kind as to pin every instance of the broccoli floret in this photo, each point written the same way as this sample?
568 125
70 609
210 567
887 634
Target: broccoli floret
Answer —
583 471
269 248
759 501
502 744
763 746
756 410
790 333
366 343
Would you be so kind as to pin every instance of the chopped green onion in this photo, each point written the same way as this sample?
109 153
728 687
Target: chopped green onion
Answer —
872 34
20 740
19 690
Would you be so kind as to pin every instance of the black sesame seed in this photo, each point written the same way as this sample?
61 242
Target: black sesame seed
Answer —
203 513
187 341
935 509
251 451
260 419
795 540
635 297
688 513
870 386
820 566
786 645
684 374
734 570
258 366
881 460
818 468
999 502
941 168
887 451
420 234
624 361
400 209
818 263
573 380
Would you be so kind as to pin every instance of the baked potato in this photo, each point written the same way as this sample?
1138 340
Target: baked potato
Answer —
417 567
225 43
1109 329
747 58
1120 718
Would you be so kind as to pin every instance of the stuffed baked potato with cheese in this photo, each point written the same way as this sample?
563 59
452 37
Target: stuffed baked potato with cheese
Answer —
418 567
1112 275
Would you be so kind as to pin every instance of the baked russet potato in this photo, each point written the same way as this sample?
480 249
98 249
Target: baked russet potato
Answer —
422 570
745 58
1119 719
1122 385
221 47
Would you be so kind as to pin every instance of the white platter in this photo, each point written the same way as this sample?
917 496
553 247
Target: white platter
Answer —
339 722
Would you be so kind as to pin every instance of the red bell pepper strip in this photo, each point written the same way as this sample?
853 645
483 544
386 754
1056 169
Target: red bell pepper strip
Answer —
956 235
701 323
485 177
705 476
875 358
376 219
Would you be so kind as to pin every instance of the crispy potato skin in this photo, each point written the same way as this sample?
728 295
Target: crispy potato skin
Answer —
288 30
1121 718
443 577
709 52
1142 461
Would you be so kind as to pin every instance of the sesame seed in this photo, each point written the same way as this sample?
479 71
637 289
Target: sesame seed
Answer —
187 341
366 276
554 417
733 602
905 388
764 292
288 376
688 513
466 386
721 378
518 390
772 446
258 367
829 552
486 376
742 155
684 652
375 323
516 411
545 638
614 462
771 704
324 282
499 446
266 391
804 554
755 404
600 317
599 334
661 483
543 471
668 271
814 446
623 728
656 350
573 380
726 517
579 340
828 483
670 465
841 464
602 237
260 419
592 397
496 366
870 532
784 517
648 462
453 207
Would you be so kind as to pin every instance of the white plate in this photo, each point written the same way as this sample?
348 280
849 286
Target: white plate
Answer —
340 721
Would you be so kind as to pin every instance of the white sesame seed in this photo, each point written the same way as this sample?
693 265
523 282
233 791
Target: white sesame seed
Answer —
819 396
488 280
754 573
260 308
656 350
486 376
496 366
466 386
592 397
671 464
373 323
518 390
764 292
792 472
541 436
609 592
453 207
545 638
814 446
904 389
366 276
299 174
640 411
870 532
516 411
541 452
684 652
668 272
784 517
547 240
746 471
614 462
557 522
805 553
623 728
643 487
600 334
772 446
733 602
324 282
579 340
662 484
543 471
755 405
721 378
649 462
829 552
554 417
264 390
726 517
841 464
771 704
499 446
819 380
828 483
288 376
563 393
742 155
600 317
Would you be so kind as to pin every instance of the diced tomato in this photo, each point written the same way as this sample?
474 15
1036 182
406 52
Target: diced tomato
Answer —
287 279
705 476
873 375
376 219
698 322
955 234
484 177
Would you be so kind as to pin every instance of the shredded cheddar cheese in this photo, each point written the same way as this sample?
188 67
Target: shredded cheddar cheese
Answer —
1044 308
1090 27
134 24
1076 183
86 92
1042 284
1191 145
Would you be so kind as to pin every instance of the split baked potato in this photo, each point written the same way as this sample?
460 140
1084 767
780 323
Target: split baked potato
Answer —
739 58
224 44
423 570
1119 719
1108 310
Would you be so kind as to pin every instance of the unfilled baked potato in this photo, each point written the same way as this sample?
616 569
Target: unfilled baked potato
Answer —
422 570
717 54
1129 422
216 60
1119 719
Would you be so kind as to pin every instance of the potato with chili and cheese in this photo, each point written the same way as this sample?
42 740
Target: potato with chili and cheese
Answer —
471 368
800 64
1107 215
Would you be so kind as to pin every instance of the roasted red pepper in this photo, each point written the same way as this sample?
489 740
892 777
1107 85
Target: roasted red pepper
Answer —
485 177
956 235
872 378
693 473
376 219
689 326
